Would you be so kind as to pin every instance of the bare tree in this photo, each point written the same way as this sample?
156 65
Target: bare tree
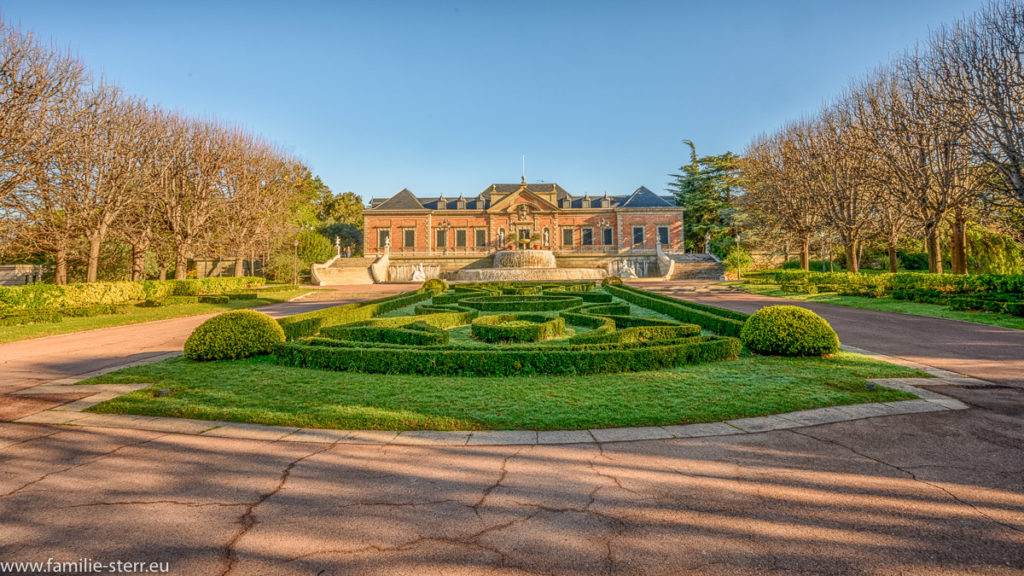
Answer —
778 190
979 73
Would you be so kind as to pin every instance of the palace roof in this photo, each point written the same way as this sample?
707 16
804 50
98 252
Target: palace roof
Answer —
406 201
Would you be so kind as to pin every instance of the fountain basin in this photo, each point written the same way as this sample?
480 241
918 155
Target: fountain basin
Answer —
524 259
528 274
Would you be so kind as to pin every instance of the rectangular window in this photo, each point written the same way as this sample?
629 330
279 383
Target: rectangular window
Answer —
566 236
460 238
481 238
663 235
608 236
638 235
382 237
587 236
442 239
524 233
409 238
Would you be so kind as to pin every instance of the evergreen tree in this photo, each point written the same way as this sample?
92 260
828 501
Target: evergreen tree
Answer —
706 187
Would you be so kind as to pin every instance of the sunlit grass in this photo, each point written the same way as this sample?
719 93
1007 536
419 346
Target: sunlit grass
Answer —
257 390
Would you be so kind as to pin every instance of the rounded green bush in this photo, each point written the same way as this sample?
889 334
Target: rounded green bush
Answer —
789 331
436 285
237 334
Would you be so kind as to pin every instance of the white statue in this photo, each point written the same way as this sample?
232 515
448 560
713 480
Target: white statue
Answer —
337 246
627 271
418 275
387 245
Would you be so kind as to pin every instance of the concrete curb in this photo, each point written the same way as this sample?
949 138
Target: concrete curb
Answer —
72 414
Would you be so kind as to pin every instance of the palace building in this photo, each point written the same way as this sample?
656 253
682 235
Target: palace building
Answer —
509 216
410 238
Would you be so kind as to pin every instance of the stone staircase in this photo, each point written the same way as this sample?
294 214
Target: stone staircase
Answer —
695 267
344 271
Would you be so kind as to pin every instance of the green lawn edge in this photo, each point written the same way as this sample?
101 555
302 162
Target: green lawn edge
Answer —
138 315
237 391
886 304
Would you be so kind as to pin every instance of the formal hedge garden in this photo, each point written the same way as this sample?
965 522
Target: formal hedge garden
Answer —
574 328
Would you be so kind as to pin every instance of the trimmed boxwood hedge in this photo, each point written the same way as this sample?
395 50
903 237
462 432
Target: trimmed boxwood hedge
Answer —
396 345
724 322
537 327
22 317
508 362
309 323
406 336
521 303
789 331
233 335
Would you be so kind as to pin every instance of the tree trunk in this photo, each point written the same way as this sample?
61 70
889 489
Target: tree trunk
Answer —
894 261
94 257
180 267
239 267
958 243
934 247
852 252
805 252
163 272
61 266
139 261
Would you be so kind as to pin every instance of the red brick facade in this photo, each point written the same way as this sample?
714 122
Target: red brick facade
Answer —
550 217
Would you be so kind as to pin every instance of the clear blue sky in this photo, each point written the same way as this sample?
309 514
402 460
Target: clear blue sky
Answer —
446 96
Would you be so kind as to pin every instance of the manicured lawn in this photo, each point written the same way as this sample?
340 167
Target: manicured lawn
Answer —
888 304
137 315
257 390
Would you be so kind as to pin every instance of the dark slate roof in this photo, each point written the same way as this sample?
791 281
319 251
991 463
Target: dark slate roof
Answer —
502 189
644 198
476 203
404 200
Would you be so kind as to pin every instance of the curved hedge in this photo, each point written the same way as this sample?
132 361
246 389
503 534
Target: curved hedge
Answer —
524 328
522 303
509 362
718 320
789 331
233 335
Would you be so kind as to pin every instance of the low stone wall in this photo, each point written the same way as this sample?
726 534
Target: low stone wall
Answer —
20 274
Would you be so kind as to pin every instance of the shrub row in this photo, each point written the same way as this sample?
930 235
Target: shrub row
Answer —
517 327
509 361
441 320
309 323
521 303
724 322
903 283
1002 303
39 316
53 296
639 334
410 335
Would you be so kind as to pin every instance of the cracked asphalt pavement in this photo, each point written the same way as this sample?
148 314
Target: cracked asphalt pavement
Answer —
939 493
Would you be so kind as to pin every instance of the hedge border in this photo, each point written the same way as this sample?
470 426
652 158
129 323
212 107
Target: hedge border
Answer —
542 327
